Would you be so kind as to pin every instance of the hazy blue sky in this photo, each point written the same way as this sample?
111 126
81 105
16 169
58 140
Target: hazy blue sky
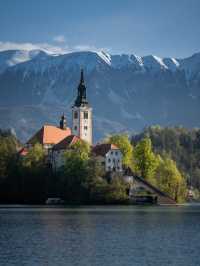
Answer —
161 27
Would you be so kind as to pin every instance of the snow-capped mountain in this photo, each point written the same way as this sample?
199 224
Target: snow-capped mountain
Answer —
127 92
38 61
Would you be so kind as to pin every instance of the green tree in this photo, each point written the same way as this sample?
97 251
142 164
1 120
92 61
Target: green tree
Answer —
35 158
33 175
83 180
123 143
170 180
8 146
146 161
75 172
116 191
82 148
8 167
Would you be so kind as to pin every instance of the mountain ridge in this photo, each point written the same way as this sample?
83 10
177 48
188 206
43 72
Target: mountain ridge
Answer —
115 60
127 92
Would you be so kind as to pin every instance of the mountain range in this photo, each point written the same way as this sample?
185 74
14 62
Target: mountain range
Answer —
127 92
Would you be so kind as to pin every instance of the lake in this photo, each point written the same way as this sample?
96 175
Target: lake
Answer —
128 235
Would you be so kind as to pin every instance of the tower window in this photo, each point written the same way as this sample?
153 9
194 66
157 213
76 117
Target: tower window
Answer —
85 115
85 127
75 115
75 127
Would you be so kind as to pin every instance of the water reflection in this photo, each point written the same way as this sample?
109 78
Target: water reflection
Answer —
100 236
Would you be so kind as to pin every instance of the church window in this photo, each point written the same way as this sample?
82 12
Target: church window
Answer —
85 127
85 115
75 115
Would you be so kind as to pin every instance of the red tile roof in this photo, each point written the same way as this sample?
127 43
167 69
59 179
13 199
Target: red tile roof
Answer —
102 149
49 135
66 142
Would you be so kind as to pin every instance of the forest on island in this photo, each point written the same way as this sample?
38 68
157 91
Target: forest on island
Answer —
166 157
181 145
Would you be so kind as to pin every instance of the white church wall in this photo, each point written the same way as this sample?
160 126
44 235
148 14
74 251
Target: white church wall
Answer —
82 122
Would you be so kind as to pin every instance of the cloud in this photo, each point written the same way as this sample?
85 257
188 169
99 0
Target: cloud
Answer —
85 48
59 39
49 48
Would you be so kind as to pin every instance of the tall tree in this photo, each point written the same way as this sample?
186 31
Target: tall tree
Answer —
34 174
170 180
75 172
146 161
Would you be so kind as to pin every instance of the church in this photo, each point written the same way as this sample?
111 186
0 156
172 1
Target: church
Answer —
57 139
50 135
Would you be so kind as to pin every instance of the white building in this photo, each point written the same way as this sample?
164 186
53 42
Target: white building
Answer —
82 114
109 156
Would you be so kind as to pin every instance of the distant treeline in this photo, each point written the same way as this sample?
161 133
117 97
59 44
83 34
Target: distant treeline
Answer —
181 144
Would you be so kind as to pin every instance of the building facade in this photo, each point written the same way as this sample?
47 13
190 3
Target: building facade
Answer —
56 157
110 157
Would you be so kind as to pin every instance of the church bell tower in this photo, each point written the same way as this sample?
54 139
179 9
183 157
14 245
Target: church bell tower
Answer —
82 114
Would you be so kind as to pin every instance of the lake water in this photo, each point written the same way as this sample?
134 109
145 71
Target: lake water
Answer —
156 236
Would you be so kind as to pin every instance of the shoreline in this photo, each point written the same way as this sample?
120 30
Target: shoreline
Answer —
83 206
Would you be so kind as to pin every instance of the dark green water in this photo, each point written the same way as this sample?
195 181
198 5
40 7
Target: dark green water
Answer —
156 236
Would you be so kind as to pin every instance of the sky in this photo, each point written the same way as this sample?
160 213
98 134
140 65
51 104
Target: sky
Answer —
159 27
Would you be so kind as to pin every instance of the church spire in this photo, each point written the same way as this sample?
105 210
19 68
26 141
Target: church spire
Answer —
82 77
81 99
